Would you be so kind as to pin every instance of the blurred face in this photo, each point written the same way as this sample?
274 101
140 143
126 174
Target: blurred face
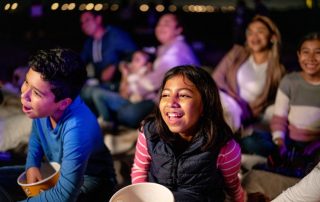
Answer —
138 60
258 37
309 58
89 23
166 29
181 106
36 96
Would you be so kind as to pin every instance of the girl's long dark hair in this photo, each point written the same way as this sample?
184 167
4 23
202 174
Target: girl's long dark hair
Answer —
211 124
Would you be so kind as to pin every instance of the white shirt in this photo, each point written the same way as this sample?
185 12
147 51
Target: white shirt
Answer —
307 189
251 79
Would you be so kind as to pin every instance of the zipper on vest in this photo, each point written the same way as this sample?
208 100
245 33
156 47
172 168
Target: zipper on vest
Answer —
174 174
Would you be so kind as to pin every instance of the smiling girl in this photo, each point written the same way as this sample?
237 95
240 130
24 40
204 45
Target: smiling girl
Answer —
296 121
186 145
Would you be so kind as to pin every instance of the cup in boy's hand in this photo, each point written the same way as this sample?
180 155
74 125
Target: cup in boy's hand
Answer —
50 174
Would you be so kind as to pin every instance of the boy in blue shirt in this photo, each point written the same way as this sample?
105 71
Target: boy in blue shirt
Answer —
64 130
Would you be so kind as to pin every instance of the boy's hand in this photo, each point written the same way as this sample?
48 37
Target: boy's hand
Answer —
33 175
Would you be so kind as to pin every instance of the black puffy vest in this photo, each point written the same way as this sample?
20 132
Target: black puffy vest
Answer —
192 176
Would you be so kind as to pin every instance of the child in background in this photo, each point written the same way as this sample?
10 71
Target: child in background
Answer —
186 145
64 130
140 64
296 121
108 102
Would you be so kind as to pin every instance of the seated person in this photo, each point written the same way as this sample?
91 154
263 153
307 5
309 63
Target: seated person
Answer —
172 51
249 75
13 139
64 130
296 121
185 144
104 48
109 102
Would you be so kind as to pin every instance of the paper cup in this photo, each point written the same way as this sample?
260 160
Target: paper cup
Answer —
143 192
50 174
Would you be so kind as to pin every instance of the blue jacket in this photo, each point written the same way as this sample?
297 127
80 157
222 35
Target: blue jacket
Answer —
116 45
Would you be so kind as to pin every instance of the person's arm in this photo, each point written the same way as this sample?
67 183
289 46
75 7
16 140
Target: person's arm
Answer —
35 150
108 73
34 157
179 53
307 189
279 121
140 168
76 151
229 162
221 70
123 88
151 82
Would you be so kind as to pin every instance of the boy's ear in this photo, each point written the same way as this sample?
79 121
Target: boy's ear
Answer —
65 103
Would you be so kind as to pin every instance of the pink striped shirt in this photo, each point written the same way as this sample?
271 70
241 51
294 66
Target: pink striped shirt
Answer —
229 162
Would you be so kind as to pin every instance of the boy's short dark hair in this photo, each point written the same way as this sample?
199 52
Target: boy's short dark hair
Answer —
63 69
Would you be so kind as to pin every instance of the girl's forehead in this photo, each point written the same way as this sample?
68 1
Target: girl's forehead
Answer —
311 42
257 24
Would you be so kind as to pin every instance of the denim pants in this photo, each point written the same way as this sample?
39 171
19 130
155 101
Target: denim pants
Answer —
260 143
112 107
132 114
107 103
88 91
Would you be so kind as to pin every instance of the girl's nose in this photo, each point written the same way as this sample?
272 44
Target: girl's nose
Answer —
174 102
312 56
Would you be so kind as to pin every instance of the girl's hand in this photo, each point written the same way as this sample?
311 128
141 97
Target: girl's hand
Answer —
281 146
33 175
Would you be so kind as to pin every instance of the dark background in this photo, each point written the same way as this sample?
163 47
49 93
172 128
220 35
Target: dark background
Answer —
211 34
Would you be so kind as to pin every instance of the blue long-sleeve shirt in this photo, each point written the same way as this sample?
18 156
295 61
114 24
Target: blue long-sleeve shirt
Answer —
115 44
76 143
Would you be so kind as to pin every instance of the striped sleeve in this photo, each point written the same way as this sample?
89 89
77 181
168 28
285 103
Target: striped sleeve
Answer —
141 161
229 162
279 121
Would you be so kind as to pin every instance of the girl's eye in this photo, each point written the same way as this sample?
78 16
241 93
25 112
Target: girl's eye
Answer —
165 95
184 96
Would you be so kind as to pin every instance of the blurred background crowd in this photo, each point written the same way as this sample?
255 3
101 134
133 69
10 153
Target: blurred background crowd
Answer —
211 27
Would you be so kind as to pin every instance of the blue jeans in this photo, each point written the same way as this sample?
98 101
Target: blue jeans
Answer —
88 91
260 143
112 107
107 103
132 114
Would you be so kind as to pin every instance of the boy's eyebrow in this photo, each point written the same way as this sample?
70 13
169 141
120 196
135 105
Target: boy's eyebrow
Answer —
41 92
